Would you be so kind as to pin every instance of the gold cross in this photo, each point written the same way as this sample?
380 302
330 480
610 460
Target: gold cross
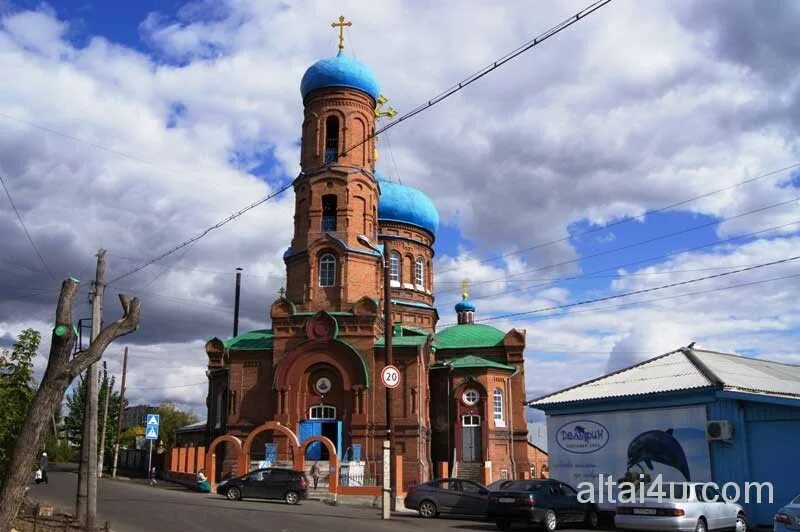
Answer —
465 288
380 113
341 25
282 291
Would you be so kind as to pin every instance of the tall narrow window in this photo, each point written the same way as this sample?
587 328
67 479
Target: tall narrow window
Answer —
497 403
328 213
394 267
327 270
419 273
331 139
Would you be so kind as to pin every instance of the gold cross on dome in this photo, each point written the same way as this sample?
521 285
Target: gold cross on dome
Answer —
465 288
282 291
341 25
390 112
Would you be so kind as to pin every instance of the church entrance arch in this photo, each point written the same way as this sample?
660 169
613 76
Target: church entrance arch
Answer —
326 401
285 447
230 454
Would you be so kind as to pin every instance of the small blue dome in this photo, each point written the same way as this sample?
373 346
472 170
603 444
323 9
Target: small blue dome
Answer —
340 71
399 203
465 305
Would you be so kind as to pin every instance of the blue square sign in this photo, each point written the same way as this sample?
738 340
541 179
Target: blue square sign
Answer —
153 419
151 432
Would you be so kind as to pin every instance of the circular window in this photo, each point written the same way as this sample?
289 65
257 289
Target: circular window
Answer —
470 397
323 385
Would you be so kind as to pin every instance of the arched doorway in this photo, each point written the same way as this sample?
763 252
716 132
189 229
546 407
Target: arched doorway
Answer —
223 458
325 406
284 439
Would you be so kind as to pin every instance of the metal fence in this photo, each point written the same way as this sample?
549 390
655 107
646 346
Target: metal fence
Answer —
357 478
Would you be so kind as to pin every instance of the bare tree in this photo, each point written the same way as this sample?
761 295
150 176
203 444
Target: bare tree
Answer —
60 372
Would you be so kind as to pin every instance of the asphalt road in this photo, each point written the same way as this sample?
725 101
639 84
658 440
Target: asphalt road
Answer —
133 505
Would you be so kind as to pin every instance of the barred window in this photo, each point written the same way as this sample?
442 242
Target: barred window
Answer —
322 412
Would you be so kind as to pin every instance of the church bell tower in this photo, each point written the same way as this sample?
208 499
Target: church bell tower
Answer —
336 195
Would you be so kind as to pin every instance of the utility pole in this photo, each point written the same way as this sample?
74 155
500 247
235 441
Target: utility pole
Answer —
236 302
101 458
86 510
388 332
119 416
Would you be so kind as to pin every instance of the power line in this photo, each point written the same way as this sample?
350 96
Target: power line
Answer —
200 235
25 229
635 292
627 220
648 259
648 240
665 298
497 64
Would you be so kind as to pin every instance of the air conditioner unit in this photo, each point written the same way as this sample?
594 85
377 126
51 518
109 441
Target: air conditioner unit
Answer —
719 430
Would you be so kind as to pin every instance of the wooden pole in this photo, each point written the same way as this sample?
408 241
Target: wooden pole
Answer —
101 459
121 411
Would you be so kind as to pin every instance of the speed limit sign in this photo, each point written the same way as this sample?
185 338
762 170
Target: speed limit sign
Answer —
390 376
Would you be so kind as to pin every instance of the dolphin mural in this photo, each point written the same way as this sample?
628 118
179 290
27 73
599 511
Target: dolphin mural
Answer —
658 446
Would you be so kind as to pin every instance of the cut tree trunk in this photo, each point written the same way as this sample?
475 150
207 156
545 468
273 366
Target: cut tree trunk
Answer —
60 372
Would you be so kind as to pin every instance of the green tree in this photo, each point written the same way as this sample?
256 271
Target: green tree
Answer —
171 419
16 391
76 408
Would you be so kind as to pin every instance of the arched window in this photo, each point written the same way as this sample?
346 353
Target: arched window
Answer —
419 272
322 412
328 213
497 404
327 270
395 263
331 139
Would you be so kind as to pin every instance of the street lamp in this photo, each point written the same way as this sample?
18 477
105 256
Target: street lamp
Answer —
387 338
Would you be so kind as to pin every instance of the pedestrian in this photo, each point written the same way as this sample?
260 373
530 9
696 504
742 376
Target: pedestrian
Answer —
43 467
153 476
315 473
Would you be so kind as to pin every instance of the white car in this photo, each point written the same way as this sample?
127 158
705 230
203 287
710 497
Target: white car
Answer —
685 508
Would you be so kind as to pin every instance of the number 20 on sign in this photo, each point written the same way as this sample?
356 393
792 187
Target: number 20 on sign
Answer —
390 376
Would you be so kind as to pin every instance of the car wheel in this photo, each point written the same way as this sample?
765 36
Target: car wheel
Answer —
550 521
592 519
741 523
503 525
427 509
291 497
701 526
233 494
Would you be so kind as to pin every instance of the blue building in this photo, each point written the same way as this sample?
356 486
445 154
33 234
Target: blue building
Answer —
689 415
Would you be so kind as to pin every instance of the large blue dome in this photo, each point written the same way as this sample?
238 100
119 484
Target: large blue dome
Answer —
340 71
399 203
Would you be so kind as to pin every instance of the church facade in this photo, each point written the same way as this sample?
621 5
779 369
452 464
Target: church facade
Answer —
316 371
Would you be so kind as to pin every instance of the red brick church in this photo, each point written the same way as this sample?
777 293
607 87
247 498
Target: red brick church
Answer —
316 370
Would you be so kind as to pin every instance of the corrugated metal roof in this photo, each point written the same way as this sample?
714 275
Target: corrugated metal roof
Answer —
752 375
677 371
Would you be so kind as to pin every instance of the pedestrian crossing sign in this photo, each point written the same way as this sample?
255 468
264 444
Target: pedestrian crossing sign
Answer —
153 420
152 432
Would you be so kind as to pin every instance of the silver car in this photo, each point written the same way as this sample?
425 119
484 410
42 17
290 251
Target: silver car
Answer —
685 508
788 518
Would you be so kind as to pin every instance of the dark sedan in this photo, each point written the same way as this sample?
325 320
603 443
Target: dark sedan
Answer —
270 483
448 496
545 502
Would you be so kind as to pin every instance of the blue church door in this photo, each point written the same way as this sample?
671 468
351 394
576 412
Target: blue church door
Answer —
331 429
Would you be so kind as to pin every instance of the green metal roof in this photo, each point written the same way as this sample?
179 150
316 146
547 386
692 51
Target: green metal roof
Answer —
409 336
251 341
469 335
472 361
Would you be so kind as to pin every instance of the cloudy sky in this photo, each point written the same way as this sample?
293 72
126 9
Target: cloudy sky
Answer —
133 126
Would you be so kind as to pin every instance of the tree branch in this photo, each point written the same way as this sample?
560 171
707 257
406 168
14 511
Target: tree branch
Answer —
128 323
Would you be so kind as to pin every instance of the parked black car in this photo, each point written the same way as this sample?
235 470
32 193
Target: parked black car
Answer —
448 496
544 502
269 483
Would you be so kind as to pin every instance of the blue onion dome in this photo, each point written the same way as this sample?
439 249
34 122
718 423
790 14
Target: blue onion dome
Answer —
465 305
408 205
340 71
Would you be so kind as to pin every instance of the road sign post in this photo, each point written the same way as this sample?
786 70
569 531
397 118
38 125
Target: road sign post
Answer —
151 433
